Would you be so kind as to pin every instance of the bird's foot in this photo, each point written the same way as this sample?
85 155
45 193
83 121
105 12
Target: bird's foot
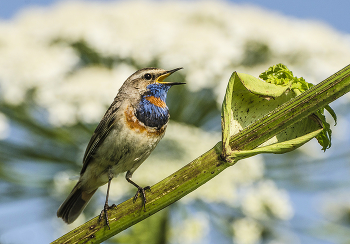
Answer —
104 213
142 192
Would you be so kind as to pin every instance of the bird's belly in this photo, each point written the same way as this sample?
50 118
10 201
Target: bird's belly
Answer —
127 149
122 150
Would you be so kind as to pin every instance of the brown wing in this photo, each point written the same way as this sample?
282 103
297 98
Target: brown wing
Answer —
100 133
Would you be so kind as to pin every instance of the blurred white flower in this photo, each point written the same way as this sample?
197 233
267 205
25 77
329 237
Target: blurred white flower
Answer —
62 114
248 170
336 206
4 127
246 231
63 183
192 230
223 187
220 189
25 63
266 199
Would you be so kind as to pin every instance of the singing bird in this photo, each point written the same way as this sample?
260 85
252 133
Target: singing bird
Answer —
128 132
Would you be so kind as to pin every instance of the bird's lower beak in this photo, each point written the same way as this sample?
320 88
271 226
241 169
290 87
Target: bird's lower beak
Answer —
161 78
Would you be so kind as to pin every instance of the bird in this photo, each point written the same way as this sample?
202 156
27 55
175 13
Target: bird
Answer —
129 131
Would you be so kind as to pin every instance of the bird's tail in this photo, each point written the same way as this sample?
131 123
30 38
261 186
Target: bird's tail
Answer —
75 203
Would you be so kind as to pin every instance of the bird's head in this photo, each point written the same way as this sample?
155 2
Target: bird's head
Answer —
150 81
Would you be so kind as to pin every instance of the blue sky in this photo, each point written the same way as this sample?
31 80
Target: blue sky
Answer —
333 12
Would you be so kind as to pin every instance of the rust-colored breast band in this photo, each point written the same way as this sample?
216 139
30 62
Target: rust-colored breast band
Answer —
134 124
156 101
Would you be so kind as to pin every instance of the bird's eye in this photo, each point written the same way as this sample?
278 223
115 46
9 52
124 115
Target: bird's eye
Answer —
148 76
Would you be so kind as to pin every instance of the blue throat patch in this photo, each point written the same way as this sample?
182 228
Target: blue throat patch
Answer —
152 110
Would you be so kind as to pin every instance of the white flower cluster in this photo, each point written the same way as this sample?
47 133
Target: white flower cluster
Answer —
192 230
207 38
247 231
266 199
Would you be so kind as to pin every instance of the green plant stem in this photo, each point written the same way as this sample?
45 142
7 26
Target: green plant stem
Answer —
210 164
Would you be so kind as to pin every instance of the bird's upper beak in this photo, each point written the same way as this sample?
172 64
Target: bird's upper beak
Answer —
161 78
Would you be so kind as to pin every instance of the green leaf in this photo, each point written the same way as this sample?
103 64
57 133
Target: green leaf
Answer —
259 87
277 74
251 99
280 74
332 113
248 99
278 148
226 117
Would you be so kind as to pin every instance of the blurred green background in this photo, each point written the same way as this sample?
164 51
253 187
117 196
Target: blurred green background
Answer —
60 68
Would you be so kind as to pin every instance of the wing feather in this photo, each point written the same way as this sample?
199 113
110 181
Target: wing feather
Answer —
100 133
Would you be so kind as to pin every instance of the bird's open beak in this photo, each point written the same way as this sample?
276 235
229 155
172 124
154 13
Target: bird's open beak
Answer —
161 78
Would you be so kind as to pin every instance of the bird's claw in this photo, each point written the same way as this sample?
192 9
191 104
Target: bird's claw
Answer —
104 213
141 191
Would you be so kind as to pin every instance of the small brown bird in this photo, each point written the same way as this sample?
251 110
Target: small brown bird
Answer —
128 132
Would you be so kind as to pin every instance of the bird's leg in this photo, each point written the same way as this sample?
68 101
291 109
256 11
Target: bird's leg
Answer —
106 206
140 190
